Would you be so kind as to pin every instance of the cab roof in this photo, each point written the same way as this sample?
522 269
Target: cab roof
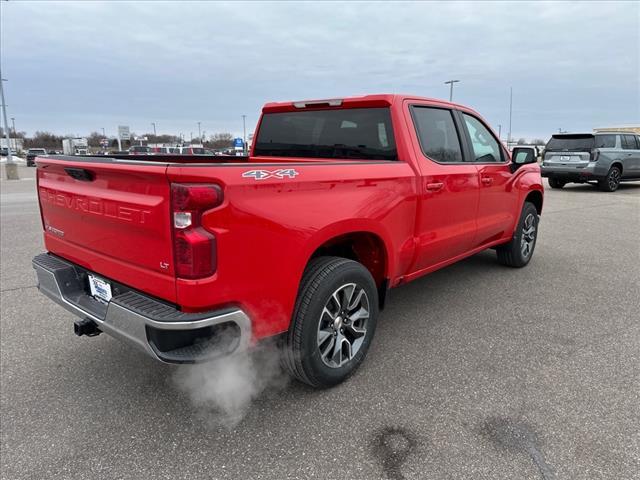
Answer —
363 101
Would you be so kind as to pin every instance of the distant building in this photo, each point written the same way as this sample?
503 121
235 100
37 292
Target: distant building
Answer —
624 128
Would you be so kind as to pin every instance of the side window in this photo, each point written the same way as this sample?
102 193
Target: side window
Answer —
485 146
605 141
437 134
629 142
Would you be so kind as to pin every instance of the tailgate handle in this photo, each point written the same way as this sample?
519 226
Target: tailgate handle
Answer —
81 174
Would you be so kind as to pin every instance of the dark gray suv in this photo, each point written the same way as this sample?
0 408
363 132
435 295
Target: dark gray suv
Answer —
608 158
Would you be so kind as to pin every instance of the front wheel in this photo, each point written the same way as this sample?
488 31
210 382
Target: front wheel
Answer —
518 252
333 322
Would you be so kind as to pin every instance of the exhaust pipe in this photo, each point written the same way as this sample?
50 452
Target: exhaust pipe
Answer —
87 327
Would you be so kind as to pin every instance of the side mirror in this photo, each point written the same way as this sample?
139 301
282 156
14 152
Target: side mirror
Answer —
521 156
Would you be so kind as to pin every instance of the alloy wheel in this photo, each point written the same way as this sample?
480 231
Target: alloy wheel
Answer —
614 179
343 325
528 235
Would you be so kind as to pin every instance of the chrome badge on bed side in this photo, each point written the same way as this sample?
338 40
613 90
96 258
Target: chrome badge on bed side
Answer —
265 174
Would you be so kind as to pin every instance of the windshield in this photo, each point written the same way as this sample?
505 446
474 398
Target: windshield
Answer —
571 142
36 150
360 133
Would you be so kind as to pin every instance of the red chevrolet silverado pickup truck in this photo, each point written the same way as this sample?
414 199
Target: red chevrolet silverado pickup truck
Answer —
192 257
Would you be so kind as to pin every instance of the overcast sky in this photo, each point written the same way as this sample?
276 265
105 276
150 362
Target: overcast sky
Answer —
75 67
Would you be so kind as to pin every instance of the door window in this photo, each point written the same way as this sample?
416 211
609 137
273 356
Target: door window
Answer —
437 134
629 142
605 141
485 147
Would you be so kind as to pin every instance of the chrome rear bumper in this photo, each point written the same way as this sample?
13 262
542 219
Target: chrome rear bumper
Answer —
157 328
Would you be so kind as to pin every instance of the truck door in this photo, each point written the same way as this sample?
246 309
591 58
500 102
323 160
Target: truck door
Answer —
497 207
449 189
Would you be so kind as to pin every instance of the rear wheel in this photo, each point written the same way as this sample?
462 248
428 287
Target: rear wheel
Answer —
333 322
611 182
556 183
518 252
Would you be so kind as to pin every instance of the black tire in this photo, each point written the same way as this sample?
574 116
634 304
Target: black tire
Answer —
512 254
611 182
556 183
324 277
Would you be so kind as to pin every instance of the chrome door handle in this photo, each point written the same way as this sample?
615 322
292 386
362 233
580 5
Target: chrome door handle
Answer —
487 180
434 187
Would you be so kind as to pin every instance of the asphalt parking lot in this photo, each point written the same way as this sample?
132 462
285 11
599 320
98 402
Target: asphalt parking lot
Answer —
477 371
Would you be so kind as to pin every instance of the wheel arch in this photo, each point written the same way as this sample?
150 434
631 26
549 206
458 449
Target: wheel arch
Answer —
366 245
535 197
617 163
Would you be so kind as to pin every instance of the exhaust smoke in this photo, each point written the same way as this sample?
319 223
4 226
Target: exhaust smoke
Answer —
222 390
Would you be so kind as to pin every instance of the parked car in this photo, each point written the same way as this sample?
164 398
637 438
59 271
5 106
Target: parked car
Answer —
4 152
166 150
192 151
339 201
32 153
606 158
139 150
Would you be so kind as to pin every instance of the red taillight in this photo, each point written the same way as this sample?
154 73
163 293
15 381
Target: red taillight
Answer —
194 247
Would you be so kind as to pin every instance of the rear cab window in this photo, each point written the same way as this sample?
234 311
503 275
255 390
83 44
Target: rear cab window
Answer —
354 133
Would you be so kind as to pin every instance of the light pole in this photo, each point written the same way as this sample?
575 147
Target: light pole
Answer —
199 133
154 129
499 132
510 114
11 168
451 82
15 139
244 133
104 134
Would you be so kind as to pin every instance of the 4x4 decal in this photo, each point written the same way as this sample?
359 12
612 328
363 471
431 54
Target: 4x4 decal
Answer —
264 174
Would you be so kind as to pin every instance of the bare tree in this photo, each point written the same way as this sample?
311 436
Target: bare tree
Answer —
94 139
221 140
164 138
46 140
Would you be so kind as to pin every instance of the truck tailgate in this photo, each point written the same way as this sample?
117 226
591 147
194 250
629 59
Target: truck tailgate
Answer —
112 217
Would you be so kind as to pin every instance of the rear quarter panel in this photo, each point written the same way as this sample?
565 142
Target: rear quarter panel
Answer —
267 230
